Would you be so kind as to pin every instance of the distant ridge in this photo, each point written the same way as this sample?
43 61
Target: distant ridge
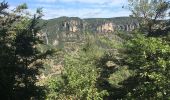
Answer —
64 28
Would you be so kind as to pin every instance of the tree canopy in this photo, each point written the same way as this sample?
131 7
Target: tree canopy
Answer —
152 15
20 60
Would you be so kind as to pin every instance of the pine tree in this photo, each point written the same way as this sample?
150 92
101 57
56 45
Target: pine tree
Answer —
20 60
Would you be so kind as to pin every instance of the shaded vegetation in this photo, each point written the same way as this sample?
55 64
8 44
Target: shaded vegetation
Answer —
124 65
20 60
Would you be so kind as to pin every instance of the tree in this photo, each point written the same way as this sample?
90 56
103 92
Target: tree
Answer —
151 14
20 60
79 77
149 59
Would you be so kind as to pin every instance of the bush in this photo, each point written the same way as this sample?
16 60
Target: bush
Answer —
149 57
78 81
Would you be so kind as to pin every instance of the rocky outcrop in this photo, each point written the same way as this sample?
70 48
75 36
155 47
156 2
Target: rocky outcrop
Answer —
128 27
72 28
106 27
55 42
102 26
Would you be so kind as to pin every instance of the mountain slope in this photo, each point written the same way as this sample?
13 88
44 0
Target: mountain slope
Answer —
71 29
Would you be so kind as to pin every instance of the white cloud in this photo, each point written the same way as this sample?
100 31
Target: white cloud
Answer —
84 13
47 1
87 8
87 1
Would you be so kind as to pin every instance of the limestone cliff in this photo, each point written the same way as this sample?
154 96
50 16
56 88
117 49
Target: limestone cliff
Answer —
72 25
106 27
72 28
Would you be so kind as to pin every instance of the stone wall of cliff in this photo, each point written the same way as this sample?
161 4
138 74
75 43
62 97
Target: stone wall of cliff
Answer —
70 29
71 25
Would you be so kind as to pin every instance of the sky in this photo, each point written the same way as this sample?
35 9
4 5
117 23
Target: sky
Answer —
76 8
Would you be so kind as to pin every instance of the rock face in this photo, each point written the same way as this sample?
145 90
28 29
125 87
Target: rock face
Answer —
72 28
55 42
72 25
128 27
106 28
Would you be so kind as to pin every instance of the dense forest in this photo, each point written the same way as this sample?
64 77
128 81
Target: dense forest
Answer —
93 64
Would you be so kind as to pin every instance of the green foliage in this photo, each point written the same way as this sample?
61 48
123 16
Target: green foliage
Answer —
20 60
119 76
150 59
95 67
79 79
151 15
91 71
59 28
113 42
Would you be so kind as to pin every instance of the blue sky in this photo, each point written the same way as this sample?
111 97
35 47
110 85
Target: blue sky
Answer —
76 8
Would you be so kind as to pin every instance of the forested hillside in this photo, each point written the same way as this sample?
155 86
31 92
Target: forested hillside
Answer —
73 28
69 58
